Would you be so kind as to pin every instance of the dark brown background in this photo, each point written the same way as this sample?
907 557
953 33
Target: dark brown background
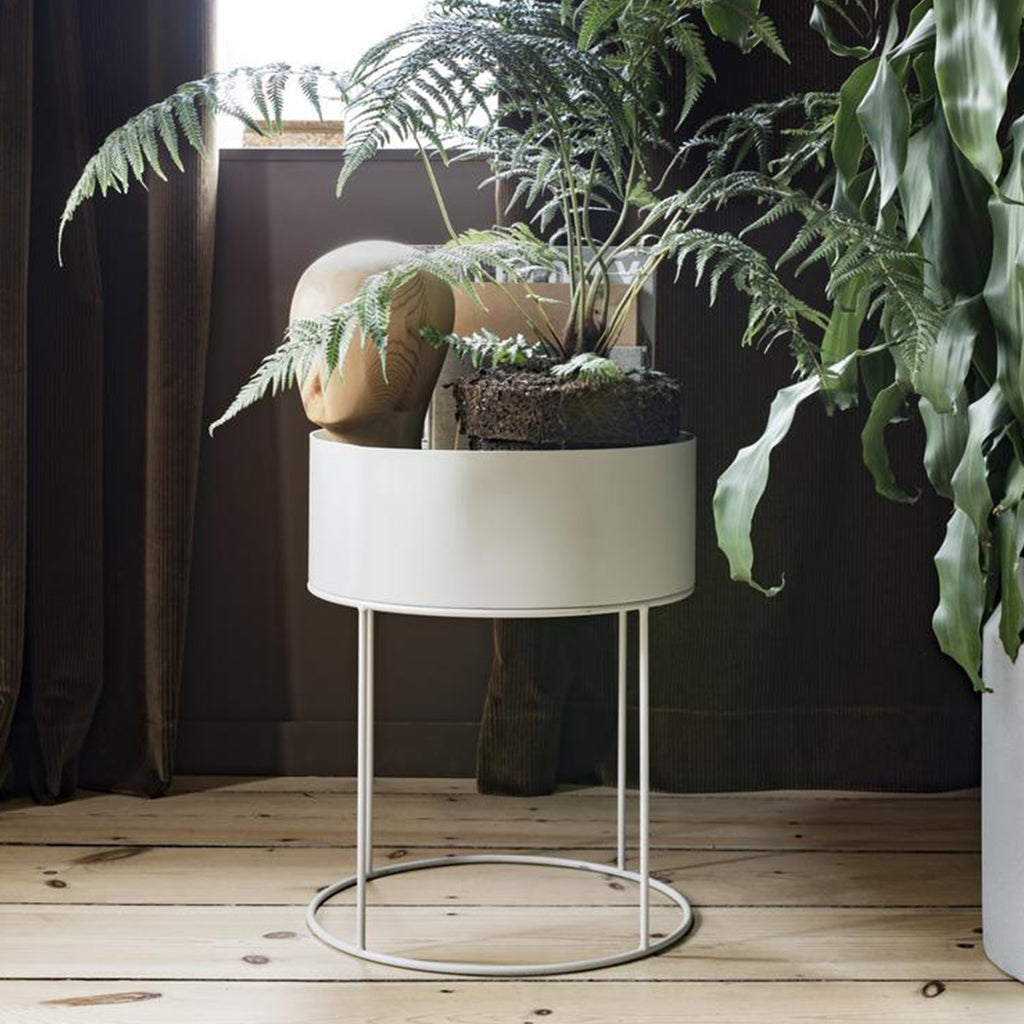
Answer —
837 682
269 681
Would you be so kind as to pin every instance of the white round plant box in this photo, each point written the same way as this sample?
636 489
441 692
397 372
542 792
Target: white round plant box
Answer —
501 533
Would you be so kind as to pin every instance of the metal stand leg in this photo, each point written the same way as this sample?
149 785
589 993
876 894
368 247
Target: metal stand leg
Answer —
620 795
368 768
364 841
645 783
364 771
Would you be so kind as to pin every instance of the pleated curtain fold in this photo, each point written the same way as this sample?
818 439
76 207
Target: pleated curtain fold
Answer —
101 385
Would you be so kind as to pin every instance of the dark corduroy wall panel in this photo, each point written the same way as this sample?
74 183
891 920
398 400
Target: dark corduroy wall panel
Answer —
835 683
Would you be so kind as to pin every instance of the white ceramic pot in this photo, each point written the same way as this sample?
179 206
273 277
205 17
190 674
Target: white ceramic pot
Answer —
1002 805
501 532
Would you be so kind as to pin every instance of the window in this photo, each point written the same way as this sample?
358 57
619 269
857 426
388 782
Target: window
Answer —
332 33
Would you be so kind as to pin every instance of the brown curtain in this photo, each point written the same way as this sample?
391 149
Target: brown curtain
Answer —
101 386
835 683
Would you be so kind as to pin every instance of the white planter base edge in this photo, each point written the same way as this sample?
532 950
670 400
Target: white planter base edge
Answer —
1002 805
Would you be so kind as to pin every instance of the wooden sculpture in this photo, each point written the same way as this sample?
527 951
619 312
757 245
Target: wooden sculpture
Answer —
360 406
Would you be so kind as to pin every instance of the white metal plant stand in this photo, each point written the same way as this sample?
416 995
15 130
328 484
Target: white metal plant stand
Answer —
509 535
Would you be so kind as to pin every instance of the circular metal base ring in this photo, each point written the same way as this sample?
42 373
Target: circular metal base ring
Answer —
500 970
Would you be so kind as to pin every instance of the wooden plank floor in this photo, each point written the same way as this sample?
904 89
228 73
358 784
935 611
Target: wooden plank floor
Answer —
810 907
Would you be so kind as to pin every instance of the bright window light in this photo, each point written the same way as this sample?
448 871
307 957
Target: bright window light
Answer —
332 33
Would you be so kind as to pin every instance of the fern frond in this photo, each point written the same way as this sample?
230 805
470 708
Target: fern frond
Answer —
588 366
401 83
687 41
485 350
287 365
775 312
757 27
129 151
849 248
277 82
320 343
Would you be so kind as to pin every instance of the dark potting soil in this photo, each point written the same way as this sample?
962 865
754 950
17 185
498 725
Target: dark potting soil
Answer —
524 409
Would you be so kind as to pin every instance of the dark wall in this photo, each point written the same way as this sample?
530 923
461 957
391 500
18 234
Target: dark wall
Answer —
269 682
835 682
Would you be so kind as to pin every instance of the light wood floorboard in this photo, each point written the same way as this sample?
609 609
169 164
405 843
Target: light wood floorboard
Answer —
810 908
563 1002
276 875
308 818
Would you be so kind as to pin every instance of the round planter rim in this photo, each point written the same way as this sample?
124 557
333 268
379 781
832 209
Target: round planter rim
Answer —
321 436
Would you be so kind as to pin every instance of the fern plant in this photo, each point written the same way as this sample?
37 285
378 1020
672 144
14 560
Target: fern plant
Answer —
916 214
485 350
563 101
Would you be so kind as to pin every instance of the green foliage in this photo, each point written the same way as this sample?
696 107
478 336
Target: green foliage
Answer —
129 151
588 366
958 618
887 408
291 362
977 49
486 351
643 33
319 344
741 487
774 311
921 248
564 104
740 22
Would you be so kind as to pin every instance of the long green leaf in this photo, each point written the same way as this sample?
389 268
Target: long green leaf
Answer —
977 46
916 183
877 371
1004 289
732 20
1010 524
957 619
961 232
741 486
884 114
920 36
887 407
945 440
943 370
987 416
1011 619
847 134
924 71
842 337
819 22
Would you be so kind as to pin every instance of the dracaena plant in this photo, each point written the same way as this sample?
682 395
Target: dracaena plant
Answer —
907 187
562 101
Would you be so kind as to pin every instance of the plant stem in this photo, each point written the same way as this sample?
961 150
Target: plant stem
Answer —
453 234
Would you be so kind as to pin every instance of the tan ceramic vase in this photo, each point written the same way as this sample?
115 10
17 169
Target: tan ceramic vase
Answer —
360 406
